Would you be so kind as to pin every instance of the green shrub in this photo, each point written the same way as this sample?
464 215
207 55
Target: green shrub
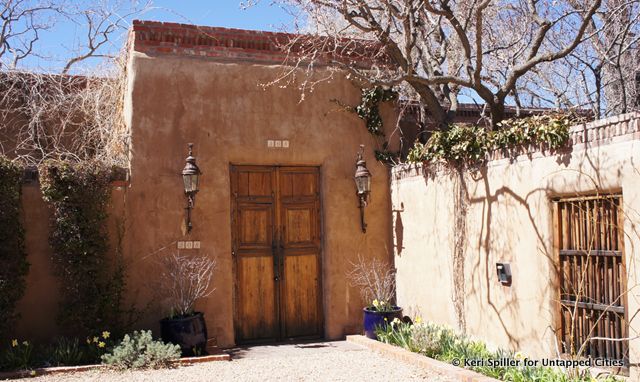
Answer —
442 343
17 356
65 352
12 252
140 351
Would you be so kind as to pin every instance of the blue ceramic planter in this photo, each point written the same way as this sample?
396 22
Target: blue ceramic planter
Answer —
373 319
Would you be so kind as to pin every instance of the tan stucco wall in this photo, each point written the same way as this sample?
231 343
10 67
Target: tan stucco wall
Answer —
222 109
509 219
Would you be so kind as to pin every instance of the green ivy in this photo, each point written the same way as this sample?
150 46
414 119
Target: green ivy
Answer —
13 258
469 145
92 285
369 109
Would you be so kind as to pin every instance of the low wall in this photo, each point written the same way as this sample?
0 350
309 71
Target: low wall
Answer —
509 218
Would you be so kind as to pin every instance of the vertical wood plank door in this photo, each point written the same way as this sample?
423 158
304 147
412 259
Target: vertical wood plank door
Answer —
276 247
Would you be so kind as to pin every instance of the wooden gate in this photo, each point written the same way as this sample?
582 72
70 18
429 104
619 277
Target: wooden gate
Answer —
276 250
589 237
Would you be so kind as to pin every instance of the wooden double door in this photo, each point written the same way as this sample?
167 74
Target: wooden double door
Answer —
276 250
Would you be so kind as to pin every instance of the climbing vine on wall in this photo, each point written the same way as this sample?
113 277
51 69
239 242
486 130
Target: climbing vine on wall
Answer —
467 145
369 111
369 108
92 283
13 258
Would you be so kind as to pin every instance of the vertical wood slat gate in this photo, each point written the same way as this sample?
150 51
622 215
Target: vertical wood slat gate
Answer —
589 239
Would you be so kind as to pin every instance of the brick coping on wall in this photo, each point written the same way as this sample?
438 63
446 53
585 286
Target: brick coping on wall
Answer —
156 38
606 131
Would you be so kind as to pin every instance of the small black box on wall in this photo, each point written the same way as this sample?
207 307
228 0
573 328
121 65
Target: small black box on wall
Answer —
504 273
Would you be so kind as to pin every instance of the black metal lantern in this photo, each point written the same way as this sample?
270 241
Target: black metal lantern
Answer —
190 177
363 185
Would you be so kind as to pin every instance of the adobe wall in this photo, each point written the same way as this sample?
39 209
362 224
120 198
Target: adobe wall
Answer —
39 307
509 219
177 96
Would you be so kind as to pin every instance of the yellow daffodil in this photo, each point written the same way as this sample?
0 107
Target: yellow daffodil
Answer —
418 320
96 339
519 356
101 344
14 343
105 334
376 303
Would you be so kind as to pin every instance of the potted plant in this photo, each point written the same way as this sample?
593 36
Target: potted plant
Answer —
377 282
184 280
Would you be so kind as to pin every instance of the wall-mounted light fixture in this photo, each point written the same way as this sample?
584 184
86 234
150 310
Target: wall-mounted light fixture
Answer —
190 176
363 185
504 273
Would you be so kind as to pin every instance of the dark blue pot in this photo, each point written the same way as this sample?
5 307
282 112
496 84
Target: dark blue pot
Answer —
373 319
189 332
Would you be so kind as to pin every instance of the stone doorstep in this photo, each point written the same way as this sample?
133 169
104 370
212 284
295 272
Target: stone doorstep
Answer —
76 369
420 360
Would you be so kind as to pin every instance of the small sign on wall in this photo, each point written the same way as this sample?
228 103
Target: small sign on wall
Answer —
189 244
278 144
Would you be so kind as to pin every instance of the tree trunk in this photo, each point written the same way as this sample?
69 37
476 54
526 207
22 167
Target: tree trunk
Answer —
437 113
497 113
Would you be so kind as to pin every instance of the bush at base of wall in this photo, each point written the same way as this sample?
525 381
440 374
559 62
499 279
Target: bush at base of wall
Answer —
442 343
13 258
92 284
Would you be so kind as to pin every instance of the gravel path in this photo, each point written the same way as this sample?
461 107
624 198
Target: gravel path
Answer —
326 361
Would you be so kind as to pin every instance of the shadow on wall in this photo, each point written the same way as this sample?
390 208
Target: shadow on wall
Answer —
398 230
509 218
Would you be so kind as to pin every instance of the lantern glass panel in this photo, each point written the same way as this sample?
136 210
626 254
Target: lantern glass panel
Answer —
188 185
363 183
195 178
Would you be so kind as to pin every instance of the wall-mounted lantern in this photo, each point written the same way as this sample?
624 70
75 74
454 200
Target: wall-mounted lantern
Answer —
363 185
190 177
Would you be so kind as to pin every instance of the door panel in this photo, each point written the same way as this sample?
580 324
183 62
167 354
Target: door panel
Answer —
253 224
276 239
299 225
300 241
301 315
256 299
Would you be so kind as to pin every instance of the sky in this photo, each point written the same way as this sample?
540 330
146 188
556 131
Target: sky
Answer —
56 44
